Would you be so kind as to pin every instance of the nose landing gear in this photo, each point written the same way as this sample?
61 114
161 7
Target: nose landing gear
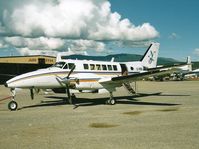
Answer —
12 105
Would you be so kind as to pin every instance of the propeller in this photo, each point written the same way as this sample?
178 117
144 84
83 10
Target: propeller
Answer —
66 81
67 86
31 93
72 69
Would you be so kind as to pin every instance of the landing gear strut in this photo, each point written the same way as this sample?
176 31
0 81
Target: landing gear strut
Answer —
111 100
12 105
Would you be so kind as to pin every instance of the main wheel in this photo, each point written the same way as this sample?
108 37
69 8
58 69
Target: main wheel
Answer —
12 106
112 101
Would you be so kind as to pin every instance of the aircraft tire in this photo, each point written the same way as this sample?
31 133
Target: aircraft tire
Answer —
112 101
12 106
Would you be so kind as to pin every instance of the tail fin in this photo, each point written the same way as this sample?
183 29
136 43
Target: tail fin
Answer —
189 64
150 57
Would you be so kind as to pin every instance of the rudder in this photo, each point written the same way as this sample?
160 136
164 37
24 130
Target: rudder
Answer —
150 57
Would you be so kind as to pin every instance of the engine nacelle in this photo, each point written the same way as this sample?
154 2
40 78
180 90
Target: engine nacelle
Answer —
102 91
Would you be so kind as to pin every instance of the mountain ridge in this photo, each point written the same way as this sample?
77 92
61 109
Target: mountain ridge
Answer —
123 57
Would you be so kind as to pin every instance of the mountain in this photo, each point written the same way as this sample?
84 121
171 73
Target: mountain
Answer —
119 58
195 65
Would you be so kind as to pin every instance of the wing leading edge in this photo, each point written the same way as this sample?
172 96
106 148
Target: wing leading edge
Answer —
111 83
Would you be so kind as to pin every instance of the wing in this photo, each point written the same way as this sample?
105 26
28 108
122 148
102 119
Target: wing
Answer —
111 83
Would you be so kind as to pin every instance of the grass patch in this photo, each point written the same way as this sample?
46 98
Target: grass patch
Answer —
168 110
102 125
133 113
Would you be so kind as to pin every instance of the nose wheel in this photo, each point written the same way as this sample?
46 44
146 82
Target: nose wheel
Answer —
12 105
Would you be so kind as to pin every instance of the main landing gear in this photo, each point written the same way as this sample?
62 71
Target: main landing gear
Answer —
12 105
111 100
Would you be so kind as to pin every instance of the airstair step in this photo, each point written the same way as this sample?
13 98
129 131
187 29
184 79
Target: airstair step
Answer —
128 87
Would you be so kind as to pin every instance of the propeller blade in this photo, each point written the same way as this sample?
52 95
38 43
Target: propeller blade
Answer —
31 94
72 69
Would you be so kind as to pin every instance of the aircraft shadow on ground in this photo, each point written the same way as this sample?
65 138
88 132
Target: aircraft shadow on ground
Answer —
80 102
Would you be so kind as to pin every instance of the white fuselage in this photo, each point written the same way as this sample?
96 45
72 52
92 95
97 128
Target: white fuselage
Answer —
87 72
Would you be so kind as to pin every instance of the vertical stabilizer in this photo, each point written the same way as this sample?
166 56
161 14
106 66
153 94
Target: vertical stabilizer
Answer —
150 57
189 63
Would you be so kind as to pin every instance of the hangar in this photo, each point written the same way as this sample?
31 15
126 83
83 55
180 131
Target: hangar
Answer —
16 65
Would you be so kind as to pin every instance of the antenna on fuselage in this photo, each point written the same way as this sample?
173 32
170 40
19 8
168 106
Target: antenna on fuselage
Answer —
112 59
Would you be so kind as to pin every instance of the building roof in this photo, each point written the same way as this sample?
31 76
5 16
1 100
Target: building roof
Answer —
32 59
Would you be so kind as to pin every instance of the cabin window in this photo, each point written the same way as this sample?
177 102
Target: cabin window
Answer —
85 66
115 67
70 65
104 67
110 67
139 69
98 67
66 66
92 66
132 68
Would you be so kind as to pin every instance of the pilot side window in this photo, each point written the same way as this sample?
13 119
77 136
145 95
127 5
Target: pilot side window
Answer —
132 68
70 65
104 67
85 66
110 67
59 64
92 66
66 66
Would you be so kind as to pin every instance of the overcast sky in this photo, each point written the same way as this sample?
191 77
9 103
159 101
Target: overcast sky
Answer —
99 27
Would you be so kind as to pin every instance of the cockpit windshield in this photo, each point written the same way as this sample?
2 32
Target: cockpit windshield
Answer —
59 64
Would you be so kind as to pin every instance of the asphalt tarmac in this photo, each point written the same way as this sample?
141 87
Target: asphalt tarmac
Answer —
164 115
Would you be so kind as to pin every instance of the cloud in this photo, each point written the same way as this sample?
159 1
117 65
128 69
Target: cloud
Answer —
196 51
83 45
44 45
2 43
36 43
27 51
78 24
174 36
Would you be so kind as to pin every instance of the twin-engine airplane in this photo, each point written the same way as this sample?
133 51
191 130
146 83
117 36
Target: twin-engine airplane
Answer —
84 75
